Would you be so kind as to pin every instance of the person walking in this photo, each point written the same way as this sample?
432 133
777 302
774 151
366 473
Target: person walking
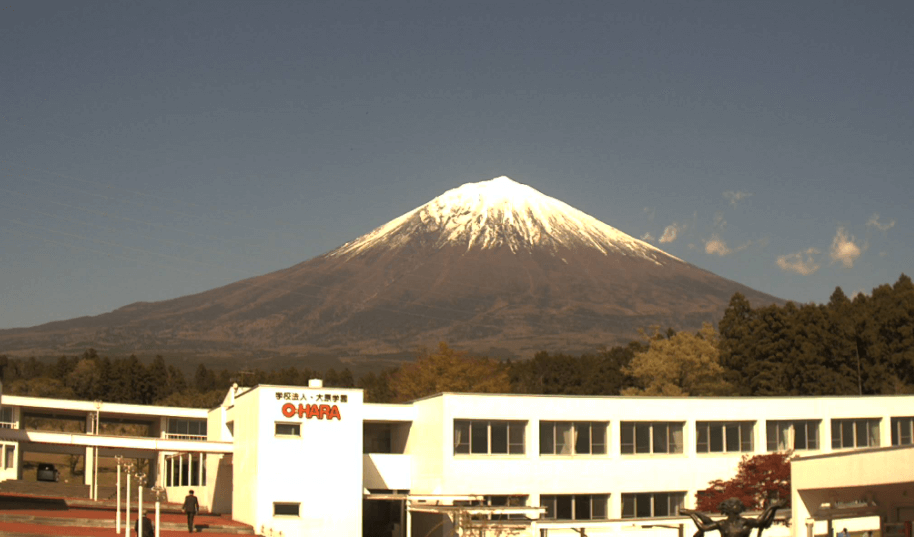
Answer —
191 506
148 530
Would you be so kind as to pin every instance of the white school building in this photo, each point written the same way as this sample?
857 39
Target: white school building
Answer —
318 461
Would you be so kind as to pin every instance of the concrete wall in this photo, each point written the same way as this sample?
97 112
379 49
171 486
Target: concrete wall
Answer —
321 470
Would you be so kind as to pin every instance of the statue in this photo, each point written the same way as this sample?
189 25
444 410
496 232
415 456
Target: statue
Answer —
734 525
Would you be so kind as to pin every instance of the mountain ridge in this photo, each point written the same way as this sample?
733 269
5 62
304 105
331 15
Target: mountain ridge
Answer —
493 267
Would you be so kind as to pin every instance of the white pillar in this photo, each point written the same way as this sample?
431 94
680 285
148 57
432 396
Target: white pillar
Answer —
139 510
127 516
117 518
409 520
200 479
158 503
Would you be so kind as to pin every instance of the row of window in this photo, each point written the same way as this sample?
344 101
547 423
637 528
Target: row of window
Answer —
593 506
186 429
492 437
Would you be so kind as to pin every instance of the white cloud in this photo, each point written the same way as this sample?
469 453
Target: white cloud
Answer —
801 262
671 232
736 197
843 249
647 236
874 222
649 211
715 245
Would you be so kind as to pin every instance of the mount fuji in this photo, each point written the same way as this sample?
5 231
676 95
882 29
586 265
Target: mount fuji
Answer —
494 267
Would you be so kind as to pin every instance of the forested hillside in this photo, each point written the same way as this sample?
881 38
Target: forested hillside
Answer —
844 347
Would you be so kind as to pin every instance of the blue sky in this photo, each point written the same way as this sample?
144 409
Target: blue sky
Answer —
153 150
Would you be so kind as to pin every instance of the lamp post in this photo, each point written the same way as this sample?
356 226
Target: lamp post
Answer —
98 412
117 518
158 489
129 470
140 481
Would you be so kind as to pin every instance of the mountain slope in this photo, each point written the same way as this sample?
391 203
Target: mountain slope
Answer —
493 267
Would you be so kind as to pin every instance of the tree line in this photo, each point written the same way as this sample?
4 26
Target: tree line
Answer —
863 345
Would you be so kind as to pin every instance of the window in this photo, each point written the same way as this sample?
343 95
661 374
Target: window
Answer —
484 437
854 433
723 436
185 469
572 438
288 429
652 504
575 506
6 417
9 459
186 429
796 434
514 500
651 437
285 509
902 429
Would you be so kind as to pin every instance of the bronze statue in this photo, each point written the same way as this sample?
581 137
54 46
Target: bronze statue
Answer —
734 525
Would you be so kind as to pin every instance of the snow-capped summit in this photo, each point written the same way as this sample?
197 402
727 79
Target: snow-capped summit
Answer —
502 213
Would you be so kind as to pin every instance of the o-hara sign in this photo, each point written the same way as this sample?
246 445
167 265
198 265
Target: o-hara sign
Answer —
311 410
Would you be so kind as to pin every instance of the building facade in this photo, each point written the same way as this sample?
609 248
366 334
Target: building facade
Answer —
320 461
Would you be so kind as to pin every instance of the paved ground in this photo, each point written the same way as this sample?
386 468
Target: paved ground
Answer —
22 514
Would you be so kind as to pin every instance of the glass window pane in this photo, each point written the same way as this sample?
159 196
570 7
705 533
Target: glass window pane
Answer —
873 429
661 440
582 507
479 437
861 436
745 437
564 438
548 502
642 438
499 437
627 434
10 456
285 509
676 442
771 436
547 440
661 504
702 443
628 506
563 507
836 434
598 507
516 438
461 436
582 437
643 505
812 435
288 429
847 434
716 434
598 438
731 437
799 441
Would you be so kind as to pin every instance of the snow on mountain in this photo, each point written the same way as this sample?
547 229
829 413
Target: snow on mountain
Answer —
502 212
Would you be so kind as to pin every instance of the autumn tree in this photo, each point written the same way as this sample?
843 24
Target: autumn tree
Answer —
757 479
448 370
683 364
